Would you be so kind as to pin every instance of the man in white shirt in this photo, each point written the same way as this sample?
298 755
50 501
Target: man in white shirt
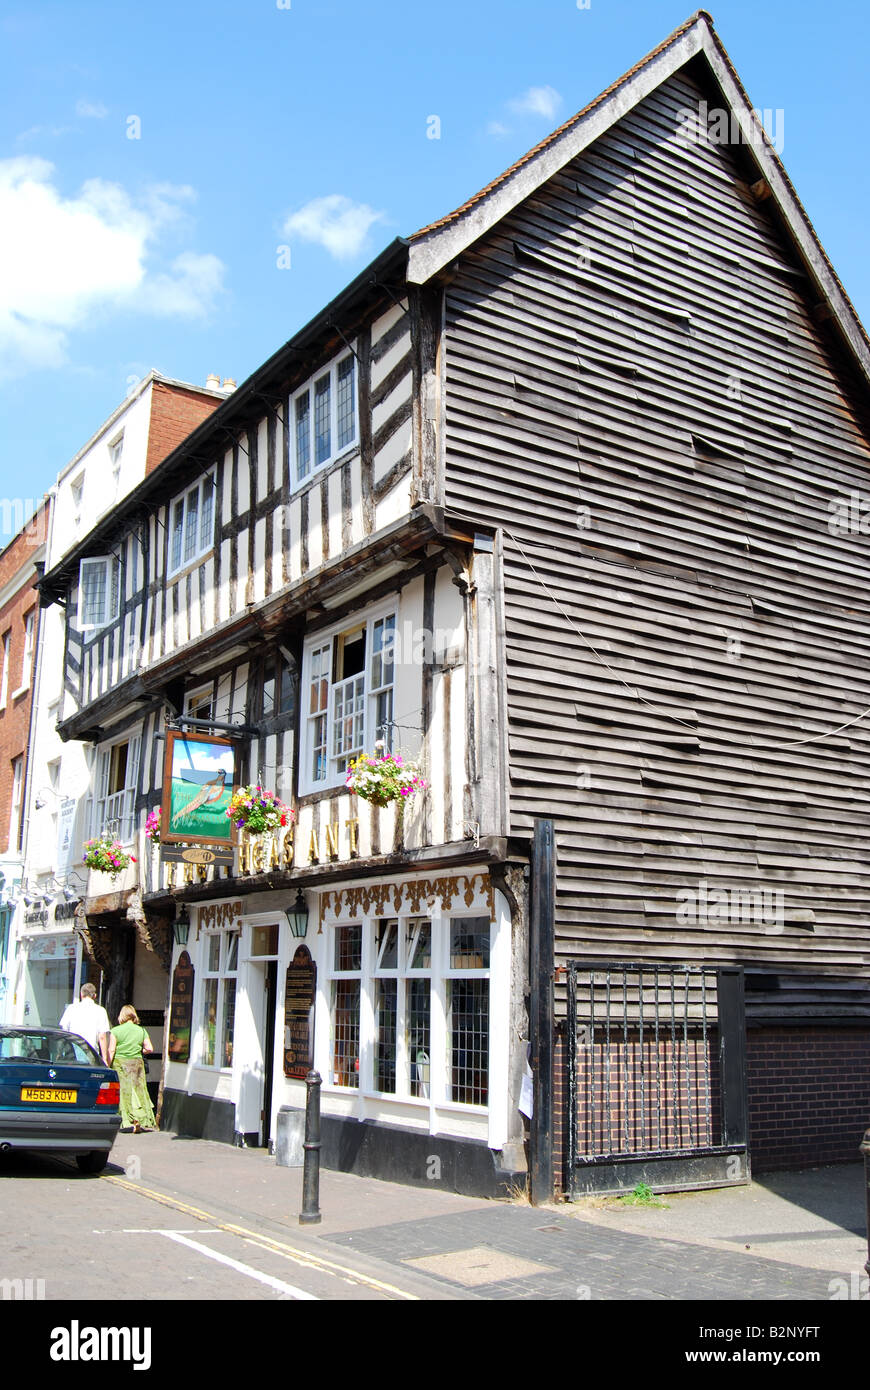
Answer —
89 1020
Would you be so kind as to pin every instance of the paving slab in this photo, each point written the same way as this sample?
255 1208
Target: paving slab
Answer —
814 1218
784 1237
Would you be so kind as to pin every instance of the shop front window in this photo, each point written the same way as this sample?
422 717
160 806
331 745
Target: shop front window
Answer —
49 982
345 1011
411 972
218 1008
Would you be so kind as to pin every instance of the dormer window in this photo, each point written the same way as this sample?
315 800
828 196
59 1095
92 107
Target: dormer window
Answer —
191 525
324 417
99 592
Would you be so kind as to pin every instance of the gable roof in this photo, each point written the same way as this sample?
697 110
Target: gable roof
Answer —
433 248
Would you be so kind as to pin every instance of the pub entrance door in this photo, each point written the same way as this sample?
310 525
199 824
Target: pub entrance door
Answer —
269 1001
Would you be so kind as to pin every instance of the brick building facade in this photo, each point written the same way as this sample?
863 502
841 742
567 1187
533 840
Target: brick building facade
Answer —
19 634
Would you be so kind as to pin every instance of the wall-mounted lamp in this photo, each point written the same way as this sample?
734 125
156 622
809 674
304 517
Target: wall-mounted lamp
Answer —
181 926
297 916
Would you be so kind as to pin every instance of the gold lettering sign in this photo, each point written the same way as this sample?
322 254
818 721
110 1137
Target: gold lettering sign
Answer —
353 837
220 914
313 850
331 840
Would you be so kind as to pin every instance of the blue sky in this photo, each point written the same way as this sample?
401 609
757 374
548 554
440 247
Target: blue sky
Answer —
304 123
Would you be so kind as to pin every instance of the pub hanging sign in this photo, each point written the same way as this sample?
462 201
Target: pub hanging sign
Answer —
299 1015
199 773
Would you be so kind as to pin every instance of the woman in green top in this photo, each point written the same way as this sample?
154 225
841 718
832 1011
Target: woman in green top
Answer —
131 1043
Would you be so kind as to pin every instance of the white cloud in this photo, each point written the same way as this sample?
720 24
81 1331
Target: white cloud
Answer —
537 101
187 290
94 110
497 128
335 222
64 258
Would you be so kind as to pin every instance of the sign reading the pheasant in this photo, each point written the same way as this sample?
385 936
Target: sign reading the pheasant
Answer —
199 772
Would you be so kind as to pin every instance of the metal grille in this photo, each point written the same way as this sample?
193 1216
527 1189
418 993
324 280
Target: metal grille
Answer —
345 1036
346 428
386 1007
417 1029
468 1023
645 1043
303 435
322 443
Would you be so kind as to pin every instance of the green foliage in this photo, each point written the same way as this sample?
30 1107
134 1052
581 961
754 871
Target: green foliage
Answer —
642 1196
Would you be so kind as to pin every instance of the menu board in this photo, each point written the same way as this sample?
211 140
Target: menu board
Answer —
299 1014
181 1010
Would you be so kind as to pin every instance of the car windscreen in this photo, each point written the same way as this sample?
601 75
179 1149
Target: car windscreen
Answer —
45 1047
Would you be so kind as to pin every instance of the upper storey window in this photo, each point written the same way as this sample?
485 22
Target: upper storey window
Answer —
191 522
324 417
99 592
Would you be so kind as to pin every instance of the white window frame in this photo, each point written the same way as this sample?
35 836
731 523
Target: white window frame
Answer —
204 542
4 680
77 489
116 454
111 592
229 937
120 805
324 641
15 808
436 1082
309 391
27 658
194 698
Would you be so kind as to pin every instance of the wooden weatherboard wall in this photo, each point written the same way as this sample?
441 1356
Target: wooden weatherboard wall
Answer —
637 391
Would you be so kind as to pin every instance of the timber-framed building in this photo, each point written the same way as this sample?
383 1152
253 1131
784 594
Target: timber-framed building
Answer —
587 456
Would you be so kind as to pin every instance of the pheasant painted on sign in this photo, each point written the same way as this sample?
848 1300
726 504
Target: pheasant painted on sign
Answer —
211 791
201 773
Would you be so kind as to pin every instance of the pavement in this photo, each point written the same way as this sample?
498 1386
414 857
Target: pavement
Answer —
787 1236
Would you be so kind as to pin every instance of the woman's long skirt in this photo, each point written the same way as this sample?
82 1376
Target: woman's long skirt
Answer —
136 1107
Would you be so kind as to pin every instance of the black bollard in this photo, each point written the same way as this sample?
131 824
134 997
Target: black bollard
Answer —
865 1150
310 1213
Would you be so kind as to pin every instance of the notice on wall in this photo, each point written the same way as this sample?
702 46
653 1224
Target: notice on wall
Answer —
181 1010
65 824
299 1014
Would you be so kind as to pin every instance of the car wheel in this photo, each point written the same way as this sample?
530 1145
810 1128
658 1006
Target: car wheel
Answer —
93 1162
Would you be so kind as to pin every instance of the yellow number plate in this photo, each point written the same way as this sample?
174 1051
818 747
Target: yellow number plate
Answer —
48 1094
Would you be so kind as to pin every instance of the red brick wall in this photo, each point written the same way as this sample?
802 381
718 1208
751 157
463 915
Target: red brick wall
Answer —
175 412
15 717
809 1095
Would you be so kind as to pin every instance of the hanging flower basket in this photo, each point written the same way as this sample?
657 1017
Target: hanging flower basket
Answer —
257 811
152 825
107 855
384 779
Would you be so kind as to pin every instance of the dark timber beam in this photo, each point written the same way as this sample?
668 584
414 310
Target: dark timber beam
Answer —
541 933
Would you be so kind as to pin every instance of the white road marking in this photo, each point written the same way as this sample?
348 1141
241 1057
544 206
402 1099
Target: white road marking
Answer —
305 1258
159 1231
277 1284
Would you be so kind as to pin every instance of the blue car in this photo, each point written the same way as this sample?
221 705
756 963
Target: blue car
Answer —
57 1096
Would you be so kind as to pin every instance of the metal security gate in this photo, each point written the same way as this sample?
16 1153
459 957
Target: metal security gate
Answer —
656 1089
